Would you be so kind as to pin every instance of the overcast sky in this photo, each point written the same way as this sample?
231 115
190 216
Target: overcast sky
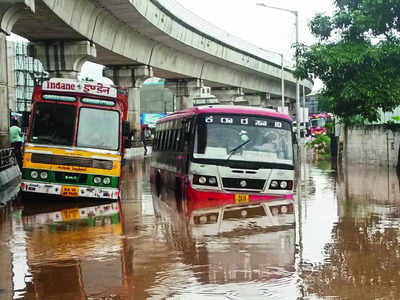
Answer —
267 28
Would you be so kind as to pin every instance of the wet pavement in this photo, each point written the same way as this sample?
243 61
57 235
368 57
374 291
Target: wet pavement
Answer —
345 245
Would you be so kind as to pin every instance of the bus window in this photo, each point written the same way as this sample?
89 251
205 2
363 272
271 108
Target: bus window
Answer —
155 141
169 139
175 140
163 140
98 129
181 142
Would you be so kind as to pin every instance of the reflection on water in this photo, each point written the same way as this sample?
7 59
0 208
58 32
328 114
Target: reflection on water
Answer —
228 252
345 244
56 248
248 261
362 257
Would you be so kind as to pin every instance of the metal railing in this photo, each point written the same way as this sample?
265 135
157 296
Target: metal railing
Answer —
7 158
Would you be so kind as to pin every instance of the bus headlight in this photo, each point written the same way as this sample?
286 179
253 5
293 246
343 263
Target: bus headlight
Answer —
34 174
106 180
212 180
275 211
281 209
213 218
281 185
44 175
274 184
203 219
97 180
205 180
202 180
210 218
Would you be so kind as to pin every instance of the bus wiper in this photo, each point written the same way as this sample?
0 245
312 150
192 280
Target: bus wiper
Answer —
237 148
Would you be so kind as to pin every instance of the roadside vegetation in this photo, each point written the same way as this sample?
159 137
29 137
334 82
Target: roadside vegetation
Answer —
320 145
357 56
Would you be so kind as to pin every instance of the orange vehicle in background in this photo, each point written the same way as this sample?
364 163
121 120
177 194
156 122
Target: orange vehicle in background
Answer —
319 123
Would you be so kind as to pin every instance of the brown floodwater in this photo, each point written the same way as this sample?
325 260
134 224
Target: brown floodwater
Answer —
344 245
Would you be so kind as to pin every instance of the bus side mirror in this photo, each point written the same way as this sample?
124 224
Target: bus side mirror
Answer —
126 134
25 119
125 128
127 142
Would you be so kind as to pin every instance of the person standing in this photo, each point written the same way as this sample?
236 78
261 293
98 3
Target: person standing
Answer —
144 138
16 141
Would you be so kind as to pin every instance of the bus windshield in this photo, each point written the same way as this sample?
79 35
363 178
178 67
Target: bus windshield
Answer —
53 124
251 139
98 129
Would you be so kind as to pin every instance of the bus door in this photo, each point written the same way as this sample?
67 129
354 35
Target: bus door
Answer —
183 147
183 157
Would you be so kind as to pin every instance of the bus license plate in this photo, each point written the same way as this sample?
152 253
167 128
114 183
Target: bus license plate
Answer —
70 214
241 198
69 191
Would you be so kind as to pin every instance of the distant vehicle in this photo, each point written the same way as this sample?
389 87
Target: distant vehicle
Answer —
319 123
75 140
215 156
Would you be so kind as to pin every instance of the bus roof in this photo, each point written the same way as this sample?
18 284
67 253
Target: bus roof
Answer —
228 109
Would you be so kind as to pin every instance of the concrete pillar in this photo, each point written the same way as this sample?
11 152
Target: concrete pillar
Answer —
132 78
229 95
4 109
10 12
185 90
63 59
12 98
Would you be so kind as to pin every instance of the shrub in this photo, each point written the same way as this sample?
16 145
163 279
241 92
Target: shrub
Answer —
321 142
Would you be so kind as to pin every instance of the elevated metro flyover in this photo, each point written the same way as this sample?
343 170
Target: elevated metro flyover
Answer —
137 39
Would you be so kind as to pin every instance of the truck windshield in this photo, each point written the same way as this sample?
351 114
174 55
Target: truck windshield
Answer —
256 140
53 124
98 129
320 122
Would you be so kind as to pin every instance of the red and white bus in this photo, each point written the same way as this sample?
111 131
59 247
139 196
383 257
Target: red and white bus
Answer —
75 140
224 156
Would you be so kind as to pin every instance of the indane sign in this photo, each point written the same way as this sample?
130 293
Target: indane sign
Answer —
75 86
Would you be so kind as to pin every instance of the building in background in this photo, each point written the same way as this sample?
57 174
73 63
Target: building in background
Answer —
11 76
27 71
155 98
312 103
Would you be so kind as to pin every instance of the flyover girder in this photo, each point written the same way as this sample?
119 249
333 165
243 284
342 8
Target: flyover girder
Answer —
135 34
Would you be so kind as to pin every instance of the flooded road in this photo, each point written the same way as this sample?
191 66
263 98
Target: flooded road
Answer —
345 245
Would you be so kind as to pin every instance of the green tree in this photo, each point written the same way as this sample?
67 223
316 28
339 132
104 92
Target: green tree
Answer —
323 104
357 56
